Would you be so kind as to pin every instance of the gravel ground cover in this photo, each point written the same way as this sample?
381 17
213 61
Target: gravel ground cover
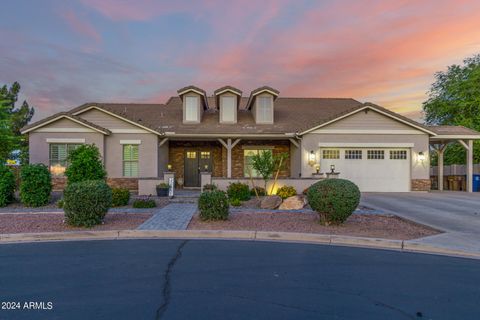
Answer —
53 222
361 225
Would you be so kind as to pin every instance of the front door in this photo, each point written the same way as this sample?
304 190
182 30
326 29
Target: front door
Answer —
196 161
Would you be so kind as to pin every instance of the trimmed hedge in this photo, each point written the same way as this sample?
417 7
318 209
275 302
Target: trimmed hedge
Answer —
120 197
333 199
85 164
238 190
213 205
35 185
86 202
144 203
210 187
286 191
7 185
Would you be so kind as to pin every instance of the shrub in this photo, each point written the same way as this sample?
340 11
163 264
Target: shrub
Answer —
333 199
286 191
86 203
236 202
305 191
260 191
238 190
163 185
209 187
120 197
60 203
144 203
7 185
213 205
85 164
35 185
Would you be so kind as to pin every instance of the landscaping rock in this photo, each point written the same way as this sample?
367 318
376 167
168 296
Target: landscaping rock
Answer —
270 202
292 203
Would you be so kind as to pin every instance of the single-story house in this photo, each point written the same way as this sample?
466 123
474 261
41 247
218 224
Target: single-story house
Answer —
202 139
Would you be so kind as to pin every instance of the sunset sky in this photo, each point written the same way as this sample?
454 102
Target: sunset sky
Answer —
65 53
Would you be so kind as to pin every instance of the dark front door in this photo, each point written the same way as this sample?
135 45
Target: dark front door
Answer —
196 161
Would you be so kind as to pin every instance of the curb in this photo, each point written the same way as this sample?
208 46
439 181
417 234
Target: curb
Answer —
322 239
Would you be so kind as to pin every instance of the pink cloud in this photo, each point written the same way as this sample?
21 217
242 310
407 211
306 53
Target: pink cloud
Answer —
81 25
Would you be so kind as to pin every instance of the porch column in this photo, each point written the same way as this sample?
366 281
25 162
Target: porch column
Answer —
468 145
229 146
440 151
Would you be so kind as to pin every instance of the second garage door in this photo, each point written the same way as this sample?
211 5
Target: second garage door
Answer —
372 169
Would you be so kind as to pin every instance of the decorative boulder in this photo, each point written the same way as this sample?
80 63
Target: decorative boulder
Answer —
270 202
292 203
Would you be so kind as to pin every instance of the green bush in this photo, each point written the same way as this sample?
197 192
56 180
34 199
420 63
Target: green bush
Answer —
120 197
213 205
286 191
60 203
144 203
85 164
86 203
260 191
7 185
238 190
35 185
333 199
209 187
235 202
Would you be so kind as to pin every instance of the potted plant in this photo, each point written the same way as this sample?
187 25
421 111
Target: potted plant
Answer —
162 189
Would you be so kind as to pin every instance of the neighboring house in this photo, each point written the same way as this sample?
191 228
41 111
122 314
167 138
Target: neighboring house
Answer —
212 139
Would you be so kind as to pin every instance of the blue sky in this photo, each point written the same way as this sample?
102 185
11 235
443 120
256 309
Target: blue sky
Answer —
65 53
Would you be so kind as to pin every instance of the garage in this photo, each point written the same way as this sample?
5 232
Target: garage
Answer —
373 169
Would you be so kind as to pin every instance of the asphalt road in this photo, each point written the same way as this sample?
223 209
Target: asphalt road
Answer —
176 279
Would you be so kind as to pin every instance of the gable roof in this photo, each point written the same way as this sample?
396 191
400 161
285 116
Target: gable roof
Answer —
270 90
64 115
191 88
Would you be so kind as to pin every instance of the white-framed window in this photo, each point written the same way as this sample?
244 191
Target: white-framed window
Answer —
191 108
375 154
58 157
228 105
130 160
353 154
248 161
265 109
398 154
331 154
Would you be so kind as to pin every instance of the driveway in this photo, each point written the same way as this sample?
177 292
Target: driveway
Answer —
178 279
456 213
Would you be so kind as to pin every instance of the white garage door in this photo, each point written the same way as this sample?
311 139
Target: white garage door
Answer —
372 169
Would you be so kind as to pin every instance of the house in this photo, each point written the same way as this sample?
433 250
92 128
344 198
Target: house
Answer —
202 139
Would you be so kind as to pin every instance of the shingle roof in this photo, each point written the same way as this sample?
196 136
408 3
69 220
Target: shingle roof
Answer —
66 115
233 89
454 130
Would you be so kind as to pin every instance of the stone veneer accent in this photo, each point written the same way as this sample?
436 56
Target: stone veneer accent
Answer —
59 183
421 184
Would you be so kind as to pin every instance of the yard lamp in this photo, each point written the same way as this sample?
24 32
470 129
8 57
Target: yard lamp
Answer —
421 156
169 167
311 158
332 168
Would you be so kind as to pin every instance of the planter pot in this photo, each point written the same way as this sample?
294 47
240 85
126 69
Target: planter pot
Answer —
162 192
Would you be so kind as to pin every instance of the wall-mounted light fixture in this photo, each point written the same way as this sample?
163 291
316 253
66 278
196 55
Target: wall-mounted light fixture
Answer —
311 158
421 156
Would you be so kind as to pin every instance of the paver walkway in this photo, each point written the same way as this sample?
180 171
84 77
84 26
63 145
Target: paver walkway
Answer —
174 216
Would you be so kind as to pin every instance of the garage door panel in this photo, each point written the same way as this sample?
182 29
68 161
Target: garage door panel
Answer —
387 175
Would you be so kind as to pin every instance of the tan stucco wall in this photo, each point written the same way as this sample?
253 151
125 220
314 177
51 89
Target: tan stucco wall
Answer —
147 150
419 170
39 148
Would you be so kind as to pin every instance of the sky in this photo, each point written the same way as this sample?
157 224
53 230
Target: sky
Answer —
66 53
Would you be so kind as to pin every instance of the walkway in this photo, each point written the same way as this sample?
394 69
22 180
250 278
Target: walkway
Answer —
175 216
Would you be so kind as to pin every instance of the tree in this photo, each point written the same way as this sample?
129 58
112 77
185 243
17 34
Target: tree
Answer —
85 164
12 119
265 163
454 99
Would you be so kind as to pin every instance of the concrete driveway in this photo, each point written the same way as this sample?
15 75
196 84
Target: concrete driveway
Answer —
456 213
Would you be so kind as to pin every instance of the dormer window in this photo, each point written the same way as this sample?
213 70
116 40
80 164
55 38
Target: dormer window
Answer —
264 109
191 109
228 109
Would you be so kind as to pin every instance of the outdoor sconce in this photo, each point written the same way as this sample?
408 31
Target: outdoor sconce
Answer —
169 167
421 156
311 158
332 168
